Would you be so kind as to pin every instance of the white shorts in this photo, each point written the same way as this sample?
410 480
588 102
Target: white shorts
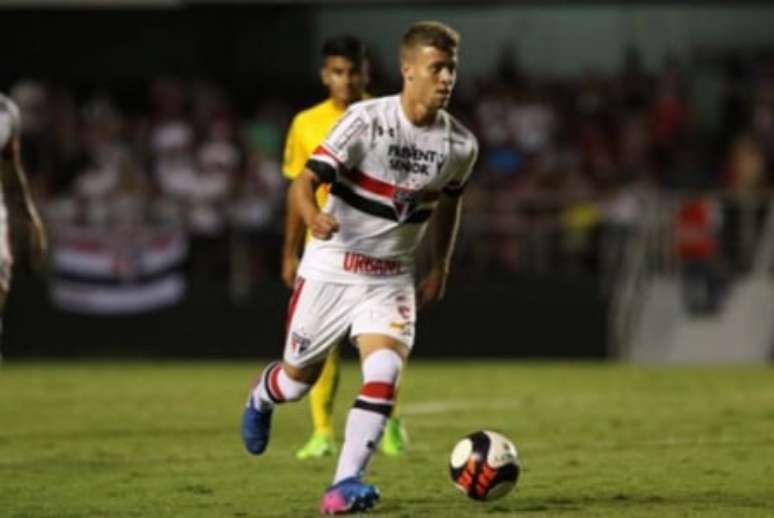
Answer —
321 313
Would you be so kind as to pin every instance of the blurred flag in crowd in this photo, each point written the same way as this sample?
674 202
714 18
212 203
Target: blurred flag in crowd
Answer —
101 272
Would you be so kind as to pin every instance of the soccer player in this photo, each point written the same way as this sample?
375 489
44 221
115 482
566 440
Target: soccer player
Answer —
392 162
14 184
345 75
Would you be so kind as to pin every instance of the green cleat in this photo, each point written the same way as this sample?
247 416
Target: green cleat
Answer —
319 445
395 438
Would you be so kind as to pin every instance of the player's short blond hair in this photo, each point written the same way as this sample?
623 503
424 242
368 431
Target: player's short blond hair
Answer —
429 34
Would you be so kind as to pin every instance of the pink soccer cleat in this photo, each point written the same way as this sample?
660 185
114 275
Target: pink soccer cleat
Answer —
349 496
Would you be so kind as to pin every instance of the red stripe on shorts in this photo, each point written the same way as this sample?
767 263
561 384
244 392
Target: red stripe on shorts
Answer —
377 389
294 301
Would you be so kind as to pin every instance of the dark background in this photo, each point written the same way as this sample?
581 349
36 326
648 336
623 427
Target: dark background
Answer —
517 316
257 53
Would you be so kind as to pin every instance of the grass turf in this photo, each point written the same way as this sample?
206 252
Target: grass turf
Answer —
161 439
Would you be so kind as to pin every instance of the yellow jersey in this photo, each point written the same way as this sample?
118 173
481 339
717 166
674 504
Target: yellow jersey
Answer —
307 131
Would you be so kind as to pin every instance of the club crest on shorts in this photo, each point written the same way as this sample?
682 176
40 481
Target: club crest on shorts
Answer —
404 201
299 343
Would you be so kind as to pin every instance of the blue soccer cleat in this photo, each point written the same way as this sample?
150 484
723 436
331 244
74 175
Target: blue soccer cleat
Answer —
349 496
256 428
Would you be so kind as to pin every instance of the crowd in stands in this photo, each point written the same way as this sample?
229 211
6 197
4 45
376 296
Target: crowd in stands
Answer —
561 156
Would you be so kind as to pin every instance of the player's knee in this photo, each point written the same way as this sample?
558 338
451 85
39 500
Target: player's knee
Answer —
305 374
383 365
368 344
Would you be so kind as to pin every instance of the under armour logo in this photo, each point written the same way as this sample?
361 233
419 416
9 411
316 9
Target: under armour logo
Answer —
379 130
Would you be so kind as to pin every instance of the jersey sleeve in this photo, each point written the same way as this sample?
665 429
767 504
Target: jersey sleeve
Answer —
343 148
462 169
294 157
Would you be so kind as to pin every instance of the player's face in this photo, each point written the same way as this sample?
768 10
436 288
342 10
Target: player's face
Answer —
430 74
345 80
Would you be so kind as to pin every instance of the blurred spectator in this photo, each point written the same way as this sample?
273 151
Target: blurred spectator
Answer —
746 171
562 159
698 226
669 118
531 123
264 133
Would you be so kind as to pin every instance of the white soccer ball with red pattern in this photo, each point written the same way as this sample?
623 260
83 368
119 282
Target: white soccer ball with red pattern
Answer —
484 465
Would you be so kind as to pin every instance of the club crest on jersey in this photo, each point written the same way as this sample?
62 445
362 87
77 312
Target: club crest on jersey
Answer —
404 201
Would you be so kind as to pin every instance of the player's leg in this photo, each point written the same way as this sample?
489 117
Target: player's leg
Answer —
382 360
321 398
395 438
317 319
277 384
383 328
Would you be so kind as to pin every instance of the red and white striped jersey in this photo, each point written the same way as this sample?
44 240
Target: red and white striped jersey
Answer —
386 177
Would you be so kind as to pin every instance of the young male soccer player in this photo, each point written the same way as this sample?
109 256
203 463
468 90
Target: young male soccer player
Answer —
345 74
391 163
14 183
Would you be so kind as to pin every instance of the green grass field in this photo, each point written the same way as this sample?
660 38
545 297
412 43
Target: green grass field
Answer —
161 439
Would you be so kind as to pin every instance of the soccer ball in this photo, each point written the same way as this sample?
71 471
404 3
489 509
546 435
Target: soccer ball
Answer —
484 465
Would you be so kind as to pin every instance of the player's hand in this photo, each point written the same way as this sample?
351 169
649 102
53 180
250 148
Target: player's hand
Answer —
432 288
38 239
323 226
289 269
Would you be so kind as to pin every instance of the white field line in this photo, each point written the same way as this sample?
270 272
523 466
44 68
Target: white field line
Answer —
449 406
444 406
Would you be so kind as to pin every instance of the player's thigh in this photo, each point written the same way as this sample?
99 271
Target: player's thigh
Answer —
386 317
318 318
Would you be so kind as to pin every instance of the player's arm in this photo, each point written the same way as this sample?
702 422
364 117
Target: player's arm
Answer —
302 194
443 235
16 188
293 163
443 232
343 147
295 229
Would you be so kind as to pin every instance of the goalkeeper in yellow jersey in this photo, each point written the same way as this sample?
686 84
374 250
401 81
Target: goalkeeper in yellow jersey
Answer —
345 74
